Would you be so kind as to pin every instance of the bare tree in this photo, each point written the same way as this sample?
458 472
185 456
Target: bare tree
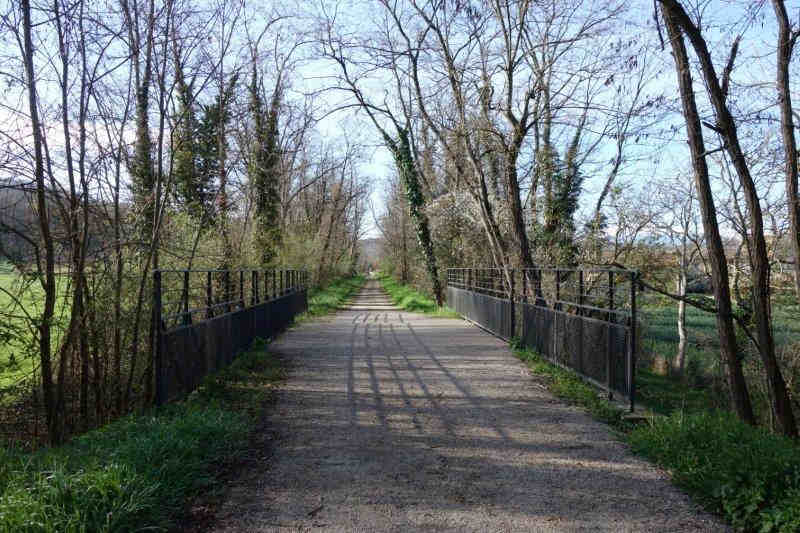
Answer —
787 38
46 264
725 126
680 225
740 398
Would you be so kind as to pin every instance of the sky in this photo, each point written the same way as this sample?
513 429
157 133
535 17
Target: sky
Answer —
652 156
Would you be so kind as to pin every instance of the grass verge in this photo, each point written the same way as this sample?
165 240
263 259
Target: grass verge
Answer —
331 297
665 395
409 299
750 477
746 475
137 472
568 386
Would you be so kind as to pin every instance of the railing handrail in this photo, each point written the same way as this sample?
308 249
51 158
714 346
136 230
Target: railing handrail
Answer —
219 270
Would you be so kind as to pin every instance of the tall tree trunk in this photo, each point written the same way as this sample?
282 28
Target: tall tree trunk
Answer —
48 280
762 313
404 252
142 166
515 204
416 204
740 398
786 41
119 267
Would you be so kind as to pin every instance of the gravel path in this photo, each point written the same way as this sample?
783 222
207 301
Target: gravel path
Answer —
392 421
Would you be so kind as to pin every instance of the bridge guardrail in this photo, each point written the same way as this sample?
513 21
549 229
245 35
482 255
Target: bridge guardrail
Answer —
204 318
582 319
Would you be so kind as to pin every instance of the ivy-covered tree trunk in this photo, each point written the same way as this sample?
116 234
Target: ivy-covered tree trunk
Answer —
191 186
264 172
404 160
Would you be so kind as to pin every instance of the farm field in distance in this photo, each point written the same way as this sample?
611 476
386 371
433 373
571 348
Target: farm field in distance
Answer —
18 297
659 338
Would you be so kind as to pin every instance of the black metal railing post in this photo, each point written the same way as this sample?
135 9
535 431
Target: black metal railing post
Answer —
524 285
228 292
557 303
581 291
241 290
158 363
632 348
513 308
254 286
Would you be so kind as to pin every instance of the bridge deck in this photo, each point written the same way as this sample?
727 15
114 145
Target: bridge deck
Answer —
393 421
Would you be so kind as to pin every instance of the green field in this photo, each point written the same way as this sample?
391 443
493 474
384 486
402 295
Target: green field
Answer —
410 299
659 338
660 334
20 305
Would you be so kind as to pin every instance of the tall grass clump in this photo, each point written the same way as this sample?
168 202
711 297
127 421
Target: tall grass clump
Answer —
409 299
137 473
332 296
749 476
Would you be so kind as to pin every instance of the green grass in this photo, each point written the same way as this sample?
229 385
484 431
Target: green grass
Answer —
750 477
567 385
743 473
664 394
694 392
137 473
409 299
331 297
17 352
660 334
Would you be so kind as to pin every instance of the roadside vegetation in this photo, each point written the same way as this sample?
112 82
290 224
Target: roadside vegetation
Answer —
333 296
137 472
409 298
745 474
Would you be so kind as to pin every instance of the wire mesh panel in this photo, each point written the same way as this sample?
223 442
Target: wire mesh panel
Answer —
201 333
492 313
583 319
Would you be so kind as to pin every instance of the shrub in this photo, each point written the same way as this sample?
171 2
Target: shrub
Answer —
749 476
136 472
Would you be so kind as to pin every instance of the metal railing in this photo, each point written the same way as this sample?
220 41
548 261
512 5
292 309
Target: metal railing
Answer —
184 297
581 318
204 318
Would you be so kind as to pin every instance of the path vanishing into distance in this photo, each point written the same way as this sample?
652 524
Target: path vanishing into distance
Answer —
395 421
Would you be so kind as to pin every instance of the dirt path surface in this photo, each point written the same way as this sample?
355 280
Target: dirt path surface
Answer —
392 421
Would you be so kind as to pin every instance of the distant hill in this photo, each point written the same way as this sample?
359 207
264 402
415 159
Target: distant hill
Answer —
19 223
